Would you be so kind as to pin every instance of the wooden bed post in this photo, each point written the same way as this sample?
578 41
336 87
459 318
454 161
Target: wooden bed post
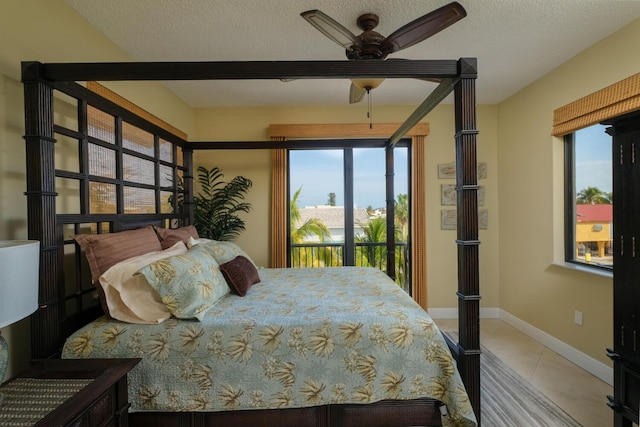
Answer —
41 206
187 182
467 234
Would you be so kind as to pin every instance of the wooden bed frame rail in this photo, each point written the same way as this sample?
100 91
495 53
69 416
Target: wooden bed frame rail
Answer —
66 302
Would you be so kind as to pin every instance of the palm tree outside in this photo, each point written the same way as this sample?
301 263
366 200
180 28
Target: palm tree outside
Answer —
593 196
370 255
301 233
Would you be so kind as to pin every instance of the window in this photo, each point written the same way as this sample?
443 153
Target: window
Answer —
338 211
589 197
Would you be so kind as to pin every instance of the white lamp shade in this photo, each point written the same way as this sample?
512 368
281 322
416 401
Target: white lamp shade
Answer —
19 275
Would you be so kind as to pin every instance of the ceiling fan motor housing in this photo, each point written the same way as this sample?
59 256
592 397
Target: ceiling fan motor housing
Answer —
369 46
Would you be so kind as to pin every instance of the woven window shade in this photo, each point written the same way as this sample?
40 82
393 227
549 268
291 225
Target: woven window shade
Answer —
619 98
125 103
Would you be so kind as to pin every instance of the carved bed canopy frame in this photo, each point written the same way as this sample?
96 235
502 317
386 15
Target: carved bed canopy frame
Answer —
49 326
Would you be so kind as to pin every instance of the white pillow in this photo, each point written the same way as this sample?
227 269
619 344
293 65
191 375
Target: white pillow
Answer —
192 242
129 297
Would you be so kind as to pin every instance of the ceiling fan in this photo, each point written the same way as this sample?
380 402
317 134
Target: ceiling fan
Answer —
371 45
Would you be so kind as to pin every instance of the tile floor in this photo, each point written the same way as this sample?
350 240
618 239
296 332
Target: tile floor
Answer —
577 392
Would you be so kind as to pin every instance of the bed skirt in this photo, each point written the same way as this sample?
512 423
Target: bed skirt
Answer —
386 413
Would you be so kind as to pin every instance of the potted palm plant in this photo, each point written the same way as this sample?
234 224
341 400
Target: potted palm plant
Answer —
218 203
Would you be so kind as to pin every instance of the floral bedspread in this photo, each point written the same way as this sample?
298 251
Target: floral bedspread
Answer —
300 337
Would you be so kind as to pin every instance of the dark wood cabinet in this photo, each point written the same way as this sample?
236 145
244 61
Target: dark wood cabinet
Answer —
69 392
625 354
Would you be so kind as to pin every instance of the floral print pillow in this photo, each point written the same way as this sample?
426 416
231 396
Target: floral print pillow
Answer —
225 251
189 284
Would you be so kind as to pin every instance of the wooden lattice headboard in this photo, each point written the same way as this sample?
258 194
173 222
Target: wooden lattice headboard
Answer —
107 170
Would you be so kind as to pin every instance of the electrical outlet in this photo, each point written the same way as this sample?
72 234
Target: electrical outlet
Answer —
577 317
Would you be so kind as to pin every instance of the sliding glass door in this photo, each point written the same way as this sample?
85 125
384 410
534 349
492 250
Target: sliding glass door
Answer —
350 207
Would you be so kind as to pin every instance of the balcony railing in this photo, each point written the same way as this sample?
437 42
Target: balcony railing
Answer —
367 255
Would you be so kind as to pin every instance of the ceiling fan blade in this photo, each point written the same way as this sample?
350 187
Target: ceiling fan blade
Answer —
423 27
331 28
356 94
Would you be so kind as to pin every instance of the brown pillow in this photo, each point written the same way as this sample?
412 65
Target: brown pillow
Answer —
105 250
170 236
240 274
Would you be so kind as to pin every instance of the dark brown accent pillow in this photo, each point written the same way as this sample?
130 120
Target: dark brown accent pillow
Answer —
170 236
105 250
240 274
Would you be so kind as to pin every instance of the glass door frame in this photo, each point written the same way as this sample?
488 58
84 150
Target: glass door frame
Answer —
347 146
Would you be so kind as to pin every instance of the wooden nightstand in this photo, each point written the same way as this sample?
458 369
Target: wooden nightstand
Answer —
69 392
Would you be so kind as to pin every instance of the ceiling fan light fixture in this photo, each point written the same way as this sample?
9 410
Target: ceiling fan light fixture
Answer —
367 83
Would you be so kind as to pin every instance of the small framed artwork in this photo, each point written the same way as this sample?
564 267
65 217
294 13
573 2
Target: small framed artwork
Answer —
448 195
481 195
483 219
448 219
482 170
447 170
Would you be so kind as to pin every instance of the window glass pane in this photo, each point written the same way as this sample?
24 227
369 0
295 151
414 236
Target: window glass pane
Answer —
138 170
65 111
593 196
166 150
316 186
317 174
369 211
66 153
68 200
102 198
179 157
166 176
139 200
102 161
402 219
166 202
101 125
137 139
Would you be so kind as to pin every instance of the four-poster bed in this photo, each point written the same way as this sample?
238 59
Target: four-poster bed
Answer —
66 293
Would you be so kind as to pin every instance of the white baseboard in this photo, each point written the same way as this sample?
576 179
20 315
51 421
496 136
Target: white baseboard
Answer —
586 362
452 313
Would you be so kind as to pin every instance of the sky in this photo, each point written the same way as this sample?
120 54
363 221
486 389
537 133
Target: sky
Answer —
593 159
320 172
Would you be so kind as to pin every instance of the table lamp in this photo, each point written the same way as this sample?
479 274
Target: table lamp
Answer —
19 276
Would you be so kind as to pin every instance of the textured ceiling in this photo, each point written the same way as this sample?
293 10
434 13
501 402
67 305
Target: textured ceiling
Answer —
515 41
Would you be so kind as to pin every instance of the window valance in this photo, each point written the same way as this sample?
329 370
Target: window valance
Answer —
619 98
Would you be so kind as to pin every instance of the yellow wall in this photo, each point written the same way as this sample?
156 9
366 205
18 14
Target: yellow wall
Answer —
524 183
50 31
530 191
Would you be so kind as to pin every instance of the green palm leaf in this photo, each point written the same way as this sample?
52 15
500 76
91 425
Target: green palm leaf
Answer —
218 203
